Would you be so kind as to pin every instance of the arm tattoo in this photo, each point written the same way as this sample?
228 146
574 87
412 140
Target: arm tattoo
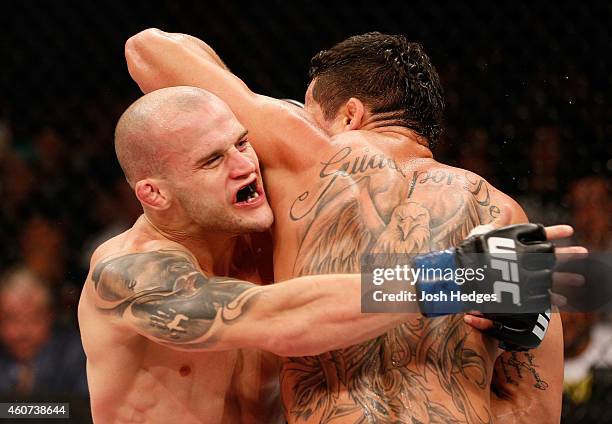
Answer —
165 297
520 366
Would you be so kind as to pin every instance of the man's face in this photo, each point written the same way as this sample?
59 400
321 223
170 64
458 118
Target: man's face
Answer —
215 173
24 323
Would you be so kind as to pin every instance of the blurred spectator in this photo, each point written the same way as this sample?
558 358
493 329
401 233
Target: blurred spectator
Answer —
42 249
6 133
545 156
473 156
588 368
116 209
587 337
37 358
18 184
591 206
541 201
50 151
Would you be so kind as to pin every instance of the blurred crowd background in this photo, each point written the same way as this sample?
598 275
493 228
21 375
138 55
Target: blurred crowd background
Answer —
527 85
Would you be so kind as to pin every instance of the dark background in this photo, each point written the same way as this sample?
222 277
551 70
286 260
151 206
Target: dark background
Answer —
528 88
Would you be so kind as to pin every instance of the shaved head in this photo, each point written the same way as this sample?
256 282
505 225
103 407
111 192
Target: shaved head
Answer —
186 156
151 128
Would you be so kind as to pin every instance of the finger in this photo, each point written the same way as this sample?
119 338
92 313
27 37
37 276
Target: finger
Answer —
567 279
556 232
558 300
571 253
478 322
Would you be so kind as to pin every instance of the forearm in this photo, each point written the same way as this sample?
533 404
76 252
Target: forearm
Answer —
158 59
530 382
205 48
311 315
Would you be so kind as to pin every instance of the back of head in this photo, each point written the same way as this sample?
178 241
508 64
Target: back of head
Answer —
390 75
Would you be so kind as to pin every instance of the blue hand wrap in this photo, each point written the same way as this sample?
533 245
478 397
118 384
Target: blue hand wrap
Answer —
443 261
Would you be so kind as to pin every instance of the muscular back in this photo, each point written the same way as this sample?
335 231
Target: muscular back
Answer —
359 199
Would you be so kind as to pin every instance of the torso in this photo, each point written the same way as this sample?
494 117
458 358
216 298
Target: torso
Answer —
134 380
356 200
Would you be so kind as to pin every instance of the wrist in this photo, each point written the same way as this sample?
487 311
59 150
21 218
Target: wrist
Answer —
436 293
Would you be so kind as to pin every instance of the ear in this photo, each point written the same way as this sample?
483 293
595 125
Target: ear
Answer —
151 193
353 113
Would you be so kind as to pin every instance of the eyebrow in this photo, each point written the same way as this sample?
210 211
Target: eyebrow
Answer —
216 152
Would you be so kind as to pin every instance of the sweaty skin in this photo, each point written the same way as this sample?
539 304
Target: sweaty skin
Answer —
156 383
369 189
168 338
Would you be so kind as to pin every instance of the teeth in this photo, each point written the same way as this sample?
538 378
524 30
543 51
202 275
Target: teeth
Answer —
252 197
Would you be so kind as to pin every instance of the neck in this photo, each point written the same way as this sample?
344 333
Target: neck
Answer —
400 139
214 251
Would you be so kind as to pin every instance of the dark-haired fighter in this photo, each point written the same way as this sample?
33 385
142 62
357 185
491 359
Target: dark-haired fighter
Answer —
355 174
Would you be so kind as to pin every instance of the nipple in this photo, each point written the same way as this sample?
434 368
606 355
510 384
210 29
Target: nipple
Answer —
185 370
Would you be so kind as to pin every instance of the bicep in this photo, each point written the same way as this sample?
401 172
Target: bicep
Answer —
193 320
164 297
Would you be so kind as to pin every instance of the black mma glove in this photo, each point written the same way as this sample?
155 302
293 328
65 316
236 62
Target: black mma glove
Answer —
519 332
511 273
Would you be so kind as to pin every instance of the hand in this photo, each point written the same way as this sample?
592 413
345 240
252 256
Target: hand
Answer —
560 280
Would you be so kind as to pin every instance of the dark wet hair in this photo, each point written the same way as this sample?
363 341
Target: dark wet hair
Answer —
392 76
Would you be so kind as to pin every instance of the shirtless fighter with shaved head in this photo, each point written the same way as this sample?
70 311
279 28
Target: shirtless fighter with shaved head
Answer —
161 332
354 174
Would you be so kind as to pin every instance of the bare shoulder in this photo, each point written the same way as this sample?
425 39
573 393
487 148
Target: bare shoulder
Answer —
356 139
122 274
431 178
160 292
285 136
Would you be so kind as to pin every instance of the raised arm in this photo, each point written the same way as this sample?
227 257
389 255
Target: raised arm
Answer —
283 135
163 296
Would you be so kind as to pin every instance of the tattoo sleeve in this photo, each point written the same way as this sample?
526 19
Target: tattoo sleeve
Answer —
164 296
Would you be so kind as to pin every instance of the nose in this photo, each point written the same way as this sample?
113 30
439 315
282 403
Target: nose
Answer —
241 164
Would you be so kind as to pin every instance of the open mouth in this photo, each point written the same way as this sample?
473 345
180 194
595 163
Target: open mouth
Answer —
248 193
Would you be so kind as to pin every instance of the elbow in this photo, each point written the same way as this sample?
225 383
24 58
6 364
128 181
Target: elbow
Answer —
288 347
297 341
139 42
139 54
